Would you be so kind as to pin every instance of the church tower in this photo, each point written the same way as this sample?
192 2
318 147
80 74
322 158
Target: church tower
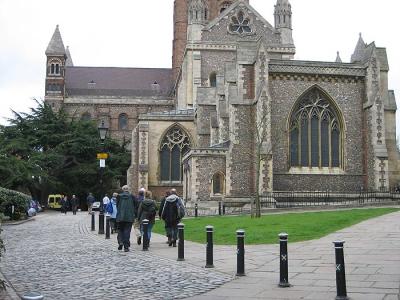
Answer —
283 21
180 35
55 71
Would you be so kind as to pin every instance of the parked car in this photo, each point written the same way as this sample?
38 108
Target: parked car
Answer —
96 206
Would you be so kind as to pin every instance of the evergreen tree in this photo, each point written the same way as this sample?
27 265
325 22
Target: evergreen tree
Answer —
46 152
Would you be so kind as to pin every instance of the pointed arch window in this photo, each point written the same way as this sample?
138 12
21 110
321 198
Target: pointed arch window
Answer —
315 133
175 144
213 79
123 122
218 183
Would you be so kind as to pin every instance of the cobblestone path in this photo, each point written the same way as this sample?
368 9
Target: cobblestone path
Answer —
59 256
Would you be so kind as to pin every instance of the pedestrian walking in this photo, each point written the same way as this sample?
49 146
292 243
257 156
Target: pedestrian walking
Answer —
111 211
171 217
64 205
90 200
160 210
74 204
147 210
106 200
136 225
125 217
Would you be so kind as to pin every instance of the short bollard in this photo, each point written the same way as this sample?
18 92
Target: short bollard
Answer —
240 252
209 251
219 208
283 279
181 242
196 210
93 221
101 222
145 224
107 227
32 296
340 271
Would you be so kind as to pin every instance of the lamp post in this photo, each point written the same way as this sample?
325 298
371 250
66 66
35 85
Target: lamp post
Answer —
103 128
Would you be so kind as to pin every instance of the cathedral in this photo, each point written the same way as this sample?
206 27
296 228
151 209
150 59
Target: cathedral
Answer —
236 115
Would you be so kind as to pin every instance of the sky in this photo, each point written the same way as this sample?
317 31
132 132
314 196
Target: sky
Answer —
134 33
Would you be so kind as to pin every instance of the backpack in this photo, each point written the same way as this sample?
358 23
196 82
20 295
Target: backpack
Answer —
109 207
181 208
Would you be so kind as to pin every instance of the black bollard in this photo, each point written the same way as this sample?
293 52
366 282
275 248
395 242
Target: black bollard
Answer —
181 242
209 251
93 221
145 224
101 222
284 259
196 212
340 271
107 227
240 252
219 208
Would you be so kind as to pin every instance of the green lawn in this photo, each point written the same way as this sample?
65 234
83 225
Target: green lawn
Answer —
265 230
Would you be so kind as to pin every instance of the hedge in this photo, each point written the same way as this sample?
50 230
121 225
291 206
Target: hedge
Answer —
8 198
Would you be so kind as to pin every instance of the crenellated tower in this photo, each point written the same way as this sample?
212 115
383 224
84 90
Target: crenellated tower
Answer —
283 21
55 70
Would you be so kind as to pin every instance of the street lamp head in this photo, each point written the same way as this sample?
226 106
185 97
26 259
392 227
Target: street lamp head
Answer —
103 128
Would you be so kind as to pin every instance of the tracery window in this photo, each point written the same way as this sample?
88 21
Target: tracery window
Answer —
315 132
240 24
174 146
123 122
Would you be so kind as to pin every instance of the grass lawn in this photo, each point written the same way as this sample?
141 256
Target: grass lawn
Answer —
265 230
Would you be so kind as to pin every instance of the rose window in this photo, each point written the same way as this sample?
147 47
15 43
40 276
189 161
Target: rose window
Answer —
240 24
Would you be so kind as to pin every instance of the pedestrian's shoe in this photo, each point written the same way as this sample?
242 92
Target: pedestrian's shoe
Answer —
139 240
126 249
174 243
120 247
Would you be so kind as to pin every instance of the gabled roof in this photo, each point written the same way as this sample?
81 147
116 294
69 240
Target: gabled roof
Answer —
111 81
233 7
56 45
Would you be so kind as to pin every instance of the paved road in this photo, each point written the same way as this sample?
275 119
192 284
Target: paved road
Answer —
82 265
58 256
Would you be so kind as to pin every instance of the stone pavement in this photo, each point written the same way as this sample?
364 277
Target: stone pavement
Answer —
74 263
58 256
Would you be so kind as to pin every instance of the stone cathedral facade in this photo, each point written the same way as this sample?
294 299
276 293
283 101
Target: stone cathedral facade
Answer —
236 104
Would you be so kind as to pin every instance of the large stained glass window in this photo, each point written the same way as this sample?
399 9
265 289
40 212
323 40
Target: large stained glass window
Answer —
174 146
315 132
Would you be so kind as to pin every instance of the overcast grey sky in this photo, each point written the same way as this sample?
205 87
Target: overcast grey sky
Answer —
138 33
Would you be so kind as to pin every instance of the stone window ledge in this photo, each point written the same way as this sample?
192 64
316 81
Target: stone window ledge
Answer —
316 171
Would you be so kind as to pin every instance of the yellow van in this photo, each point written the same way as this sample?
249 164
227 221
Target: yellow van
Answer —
54 201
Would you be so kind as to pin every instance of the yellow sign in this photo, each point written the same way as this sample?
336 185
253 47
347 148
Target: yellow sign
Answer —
102 155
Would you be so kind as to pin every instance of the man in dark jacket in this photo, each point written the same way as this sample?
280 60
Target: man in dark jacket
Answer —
136 225
126 214
160 210
171 217
147 210
74 204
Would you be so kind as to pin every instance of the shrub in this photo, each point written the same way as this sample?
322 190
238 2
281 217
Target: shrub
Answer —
8 198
